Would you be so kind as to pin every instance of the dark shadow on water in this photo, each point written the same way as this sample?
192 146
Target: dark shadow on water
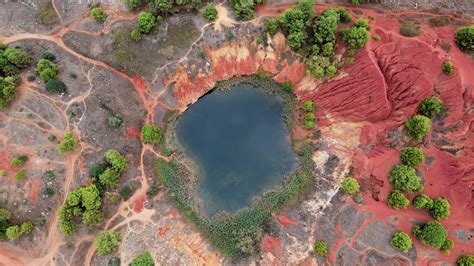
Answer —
240 142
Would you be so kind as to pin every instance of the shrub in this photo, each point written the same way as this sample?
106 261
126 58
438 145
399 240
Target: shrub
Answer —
412 156
355 37
350 185
134 4
146 22
210 12
13 232
8 91
409 29
376 37
115 261
271 26
98 14
151 134
404 178
430 106
440 209
418 127
107 242
144 259
20 176
295 40
287 86
431 233
422 202
46 69
17 57
308 106
320 248
16 163
401 241
96 170
465 260
396 200
49 175
362 23
114 120
55 86
48 56
68 144
229 35
464 38
448 67
126 193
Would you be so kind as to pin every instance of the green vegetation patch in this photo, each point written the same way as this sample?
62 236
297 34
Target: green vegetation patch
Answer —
409 29
464 38
238 235
401 241
320 248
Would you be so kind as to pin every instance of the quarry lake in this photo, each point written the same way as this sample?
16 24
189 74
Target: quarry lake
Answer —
240 143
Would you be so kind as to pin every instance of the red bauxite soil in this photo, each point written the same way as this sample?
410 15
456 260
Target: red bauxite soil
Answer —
375 96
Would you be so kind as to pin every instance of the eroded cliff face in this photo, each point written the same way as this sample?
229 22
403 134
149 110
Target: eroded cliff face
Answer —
361 113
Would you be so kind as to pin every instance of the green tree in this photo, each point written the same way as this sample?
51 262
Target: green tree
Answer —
296 40
210 12
440 209
320 248
146 22
448 67
396 200
308 106
67 227
418 127
26 227
412 156
422 202
325 28
68 144
431 233
7 91
271 26
98 14
446 247
92 217
17 57
13 232
362 23
96 170
107 242
350 185
20 176
117 161
155 6
151 134
16 163
355 37
46 69
465 260
144 259
465 39
293 20
404 178
401 241
430 106
55 86
243 9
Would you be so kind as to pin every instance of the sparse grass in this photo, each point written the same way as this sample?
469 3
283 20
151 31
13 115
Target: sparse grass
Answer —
47 14
440 21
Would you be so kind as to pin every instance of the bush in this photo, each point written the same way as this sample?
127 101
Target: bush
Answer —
16 163
243 9
136 34
430 106
431 233
404 178
287 86
418 127
8 89
362 23
68 144
409 29
412 156
98 14
350 185
376 37
448 67
465 260
96 170
26 227
271 26
155 6
320 248
296 40
134 4
46 69
49 175
114 120
401 241
440 209
20 176
107 242
396 200
146 22
464 38
210 12
422 202
55 86
308 106
144 259
48 56
151 134
446 247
